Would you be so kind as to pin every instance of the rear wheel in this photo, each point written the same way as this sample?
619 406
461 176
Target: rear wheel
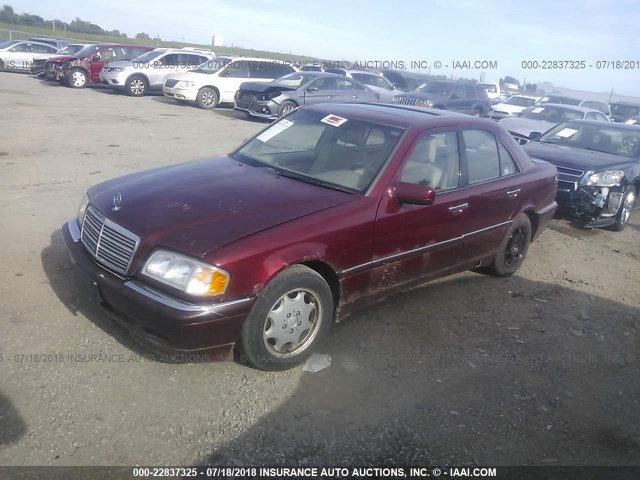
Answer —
628 202
290 317
207 98
77 78
513 249
136 86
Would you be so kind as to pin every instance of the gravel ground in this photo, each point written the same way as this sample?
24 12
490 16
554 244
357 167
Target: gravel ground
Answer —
538 369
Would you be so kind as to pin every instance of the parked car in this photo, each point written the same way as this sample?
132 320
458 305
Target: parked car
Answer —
403 80
274 99
559 99
84 67
511 106
18 55
374 80
208 87
598 169
39 62
149 71
596 105
328 209
460 97
58 43
543 117
621 111
493 90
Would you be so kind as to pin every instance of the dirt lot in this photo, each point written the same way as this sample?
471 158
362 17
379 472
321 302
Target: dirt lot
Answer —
541 368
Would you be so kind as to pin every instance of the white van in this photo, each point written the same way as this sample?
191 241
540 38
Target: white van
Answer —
217 80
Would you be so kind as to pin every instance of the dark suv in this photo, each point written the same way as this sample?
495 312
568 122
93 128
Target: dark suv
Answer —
84 67
462 97
622 111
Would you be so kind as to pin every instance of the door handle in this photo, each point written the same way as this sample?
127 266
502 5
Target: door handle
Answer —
330 96
458 209
513 193
355 96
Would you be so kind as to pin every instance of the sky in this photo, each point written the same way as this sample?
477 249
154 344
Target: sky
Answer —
427 31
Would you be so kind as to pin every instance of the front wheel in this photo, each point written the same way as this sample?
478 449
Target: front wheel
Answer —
286 107
289 319
207 98
77 79
136 86
513 249
622 217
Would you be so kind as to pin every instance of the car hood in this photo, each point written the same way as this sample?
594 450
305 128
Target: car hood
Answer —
64 58
524 126
577 158
434 97
261 87
200 206
505 107
121 63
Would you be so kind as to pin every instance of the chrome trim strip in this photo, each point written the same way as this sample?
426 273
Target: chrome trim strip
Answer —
74 230
171 302
459 207
548 208
426 248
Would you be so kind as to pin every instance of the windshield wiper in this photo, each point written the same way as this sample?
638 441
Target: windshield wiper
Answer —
311 180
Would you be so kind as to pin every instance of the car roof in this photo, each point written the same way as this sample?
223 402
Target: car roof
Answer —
397 115
569 107
35 42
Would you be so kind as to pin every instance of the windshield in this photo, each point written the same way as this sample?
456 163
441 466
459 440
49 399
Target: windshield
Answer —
553 114
605 138
563 100
70 50
439 88
625 110
295 79
519 101
326 150
373 80
212 66
86 51
148 56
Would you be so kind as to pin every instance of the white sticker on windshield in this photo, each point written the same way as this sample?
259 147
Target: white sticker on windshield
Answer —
274 130
537 110
334 120
631 121
565 132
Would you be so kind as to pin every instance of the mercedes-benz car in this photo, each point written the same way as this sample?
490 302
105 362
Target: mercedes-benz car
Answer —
598 167
328 209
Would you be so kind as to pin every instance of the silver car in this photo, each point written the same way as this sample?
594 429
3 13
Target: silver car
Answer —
149 71
274 99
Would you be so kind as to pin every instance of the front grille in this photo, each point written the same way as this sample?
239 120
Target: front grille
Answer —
110 244
170 83
406 101
39 63
568 178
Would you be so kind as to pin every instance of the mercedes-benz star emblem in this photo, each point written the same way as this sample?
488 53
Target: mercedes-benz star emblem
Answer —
117 202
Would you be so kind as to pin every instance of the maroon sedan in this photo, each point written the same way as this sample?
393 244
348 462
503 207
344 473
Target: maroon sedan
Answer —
327 210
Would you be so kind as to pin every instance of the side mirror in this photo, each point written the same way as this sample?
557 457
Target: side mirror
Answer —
95 58
412 194
535 135
312 89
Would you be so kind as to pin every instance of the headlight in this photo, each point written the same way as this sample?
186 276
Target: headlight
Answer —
117 69
187 274
82 208
186 84
609 178
424 103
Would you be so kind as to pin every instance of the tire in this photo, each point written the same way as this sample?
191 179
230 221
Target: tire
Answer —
513 249
77 78
628 202
290 318
136 86
1 65
286 107
207 98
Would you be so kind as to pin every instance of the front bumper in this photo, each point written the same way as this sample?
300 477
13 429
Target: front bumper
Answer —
165 323
113 79
596 206
186 94
258 109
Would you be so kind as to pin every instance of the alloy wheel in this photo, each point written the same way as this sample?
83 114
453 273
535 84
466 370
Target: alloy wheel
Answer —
515 245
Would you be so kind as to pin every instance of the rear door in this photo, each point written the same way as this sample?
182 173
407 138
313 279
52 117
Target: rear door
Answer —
494 192
324 89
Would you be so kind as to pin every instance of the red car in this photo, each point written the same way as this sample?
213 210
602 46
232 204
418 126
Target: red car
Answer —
84 67
327 210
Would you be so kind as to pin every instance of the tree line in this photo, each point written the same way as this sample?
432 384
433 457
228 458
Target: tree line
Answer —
8 15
